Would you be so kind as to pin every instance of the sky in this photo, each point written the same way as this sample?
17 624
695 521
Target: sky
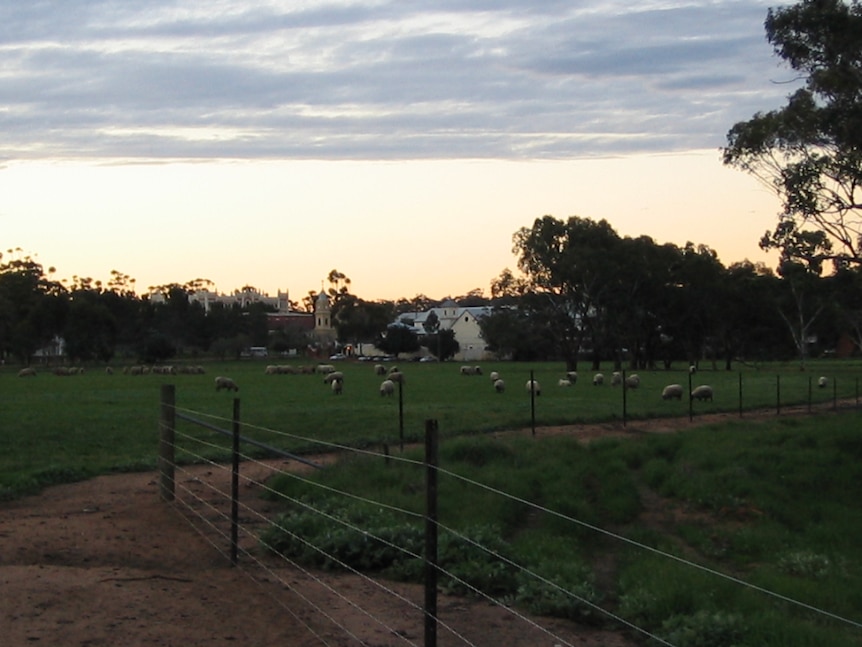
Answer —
400 142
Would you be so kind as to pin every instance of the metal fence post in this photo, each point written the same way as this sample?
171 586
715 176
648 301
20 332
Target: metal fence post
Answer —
431 463
533 402
167 422
234 487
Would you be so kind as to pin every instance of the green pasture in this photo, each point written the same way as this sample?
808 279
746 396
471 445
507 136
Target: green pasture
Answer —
55 429
774 503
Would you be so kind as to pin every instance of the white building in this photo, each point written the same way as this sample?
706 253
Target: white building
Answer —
464 321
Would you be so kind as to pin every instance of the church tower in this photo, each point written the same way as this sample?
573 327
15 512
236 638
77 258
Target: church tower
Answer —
324 331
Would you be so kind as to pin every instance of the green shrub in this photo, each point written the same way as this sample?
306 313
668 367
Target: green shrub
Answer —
704 629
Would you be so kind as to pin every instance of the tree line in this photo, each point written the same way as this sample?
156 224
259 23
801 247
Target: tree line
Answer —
582 293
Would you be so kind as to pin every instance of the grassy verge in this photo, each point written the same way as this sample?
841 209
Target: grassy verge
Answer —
774 504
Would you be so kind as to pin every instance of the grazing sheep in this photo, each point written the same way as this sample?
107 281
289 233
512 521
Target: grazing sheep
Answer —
324 368
672 392
109 370
394 369
387 387
822 382
572 376
563 382
494 376
27 372
692 369
335 376
379 369
471 370
633 381
533 386
702 392
397 376
136 370
499 385
225 383
337 386
271 370
598 379
616 378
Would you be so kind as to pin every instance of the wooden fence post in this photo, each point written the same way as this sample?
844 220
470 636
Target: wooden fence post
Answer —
167 422
431 463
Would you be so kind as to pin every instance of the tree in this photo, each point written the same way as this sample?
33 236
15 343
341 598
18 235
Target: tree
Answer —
398 339
32 307
810 151
800 303
565 270
441 343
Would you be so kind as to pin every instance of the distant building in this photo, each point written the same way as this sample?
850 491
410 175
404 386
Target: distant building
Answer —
463 321
243 298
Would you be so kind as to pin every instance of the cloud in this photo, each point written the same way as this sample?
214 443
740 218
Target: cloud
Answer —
377 80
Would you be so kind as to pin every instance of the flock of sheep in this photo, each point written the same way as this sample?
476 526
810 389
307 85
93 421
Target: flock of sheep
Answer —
335 378
141 369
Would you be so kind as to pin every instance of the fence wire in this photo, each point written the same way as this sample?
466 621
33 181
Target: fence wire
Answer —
191 504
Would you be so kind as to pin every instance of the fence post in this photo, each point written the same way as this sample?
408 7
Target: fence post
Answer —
690 400
532 402
401 414
431 462
167 421
234 487
624 397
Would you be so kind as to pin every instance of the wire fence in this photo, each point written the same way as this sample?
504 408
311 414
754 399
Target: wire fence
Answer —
237 528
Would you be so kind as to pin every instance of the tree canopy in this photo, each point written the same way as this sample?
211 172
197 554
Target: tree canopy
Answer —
810 151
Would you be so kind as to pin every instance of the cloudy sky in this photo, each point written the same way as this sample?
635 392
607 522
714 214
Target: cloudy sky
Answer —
403 143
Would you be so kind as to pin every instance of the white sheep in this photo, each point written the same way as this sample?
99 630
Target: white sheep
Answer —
471 370
702 392
534 387
499 385
563 382
633 381
397 376
222 382
672 392
379 369
109 370
335 376
572 377
27 372
822 381
324 368
494 376
598 379
337 386
616 378
387 387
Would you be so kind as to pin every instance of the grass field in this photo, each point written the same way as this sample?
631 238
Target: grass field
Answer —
776 503
55 429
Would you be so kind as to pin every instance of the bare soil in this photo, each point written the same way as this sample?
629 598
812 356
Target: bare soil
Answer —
106 562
